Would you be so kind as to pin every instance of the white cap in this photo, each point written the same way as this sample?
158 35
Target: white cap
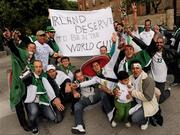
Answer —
49 67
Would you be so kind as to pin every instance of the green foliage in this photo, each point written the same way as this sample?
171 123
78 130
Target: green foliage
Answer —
31 14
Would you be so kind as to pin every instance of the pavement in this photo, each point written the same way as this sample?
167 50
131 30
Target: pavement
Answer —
95 120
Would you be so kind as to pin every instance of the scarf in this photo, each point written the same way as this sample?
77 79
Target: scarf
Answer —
41 91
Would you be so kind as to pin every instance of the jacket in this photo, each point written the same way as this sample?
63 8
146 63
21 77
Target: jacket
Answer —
146 94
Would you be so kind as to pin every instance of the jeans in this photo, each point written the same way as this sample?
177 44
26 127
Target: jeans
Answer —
81 104
107 102
34 109
138 117
164 93
20 111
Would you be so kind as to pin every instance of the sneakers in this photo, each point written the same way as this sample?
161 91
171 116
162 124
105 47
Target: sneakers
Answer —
113 124
35 131
110 115
145 126
79 129
128 124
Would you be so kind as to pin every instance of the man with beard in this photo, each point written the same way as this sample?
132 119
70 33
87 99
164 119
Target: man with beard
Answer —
163 59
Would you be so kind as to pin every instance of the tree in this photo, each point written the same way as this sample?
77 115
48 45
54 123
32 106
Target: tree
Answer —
155 3
32 14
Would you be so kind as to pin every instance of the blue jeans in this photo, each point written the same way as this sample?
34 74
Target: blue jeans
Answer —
138 117
81 104
33 110
107 102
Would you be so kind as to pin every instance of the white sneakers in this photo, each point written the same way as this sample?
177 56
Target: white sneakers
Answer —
110 115
79 129
113 124
128 124
145 126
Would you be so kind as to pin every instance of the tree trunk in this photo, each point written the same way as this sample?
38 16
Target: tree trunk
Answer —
155 5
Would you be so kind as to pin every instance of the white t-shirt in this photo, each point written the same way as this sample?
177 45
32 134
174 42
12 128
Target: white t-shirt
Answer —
42 53
124 92
146 37
158 68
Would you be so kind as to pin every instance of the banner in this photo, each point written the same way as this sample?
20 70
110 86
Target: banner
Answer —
82 33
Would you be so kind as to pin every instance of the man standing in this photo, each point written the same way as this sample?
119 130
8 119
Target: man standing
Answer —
147 35
43 51
50 32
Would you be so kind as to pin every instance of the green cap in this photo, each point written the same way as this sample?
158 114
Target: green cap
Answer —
50 29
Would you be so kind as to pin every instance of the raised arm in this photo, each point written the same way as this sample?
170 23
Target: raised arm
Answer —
135 21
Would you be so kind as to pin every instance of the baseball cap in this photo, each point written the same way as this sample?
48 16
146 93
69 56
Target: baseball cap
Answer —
40 32
49 67
50 29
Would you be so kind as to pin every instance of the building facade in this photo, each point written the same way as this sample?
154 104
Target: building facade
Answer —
142 9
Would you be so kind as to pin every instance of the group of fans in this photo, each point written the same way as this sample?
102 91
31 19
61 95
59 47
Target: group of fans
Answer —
129 80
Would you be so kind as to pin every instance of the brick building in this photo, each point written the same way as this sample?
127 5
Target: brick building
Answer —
143 9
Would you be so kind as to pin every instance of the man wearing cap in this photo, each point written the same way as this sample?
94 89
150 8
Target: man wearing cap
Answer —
50 32
60 83
144 94
43 51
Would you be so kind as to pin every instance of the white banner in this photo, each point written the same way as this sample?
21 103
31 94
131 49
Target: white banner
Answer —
81 33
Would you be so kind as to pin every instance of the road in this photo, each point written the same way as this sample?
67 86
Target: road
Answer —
95 121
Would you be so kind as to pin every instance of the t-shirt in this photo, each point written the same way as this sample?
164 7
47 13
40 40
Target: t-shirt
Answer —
147 36
42 53
158 68
124 92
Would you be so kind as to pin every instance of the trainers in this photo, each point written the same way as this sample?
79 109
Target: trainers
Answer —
110 115
145 126
113 124
78 130
35 131
128 124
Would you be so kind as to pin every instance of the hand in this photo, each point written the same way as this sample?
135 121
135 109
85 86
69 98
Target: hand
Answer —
128 96
76 94
134 8
7 34
55 55
128 30
68 87
156 29
103 88
74 86
117 93
129 86
114 37
57 103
